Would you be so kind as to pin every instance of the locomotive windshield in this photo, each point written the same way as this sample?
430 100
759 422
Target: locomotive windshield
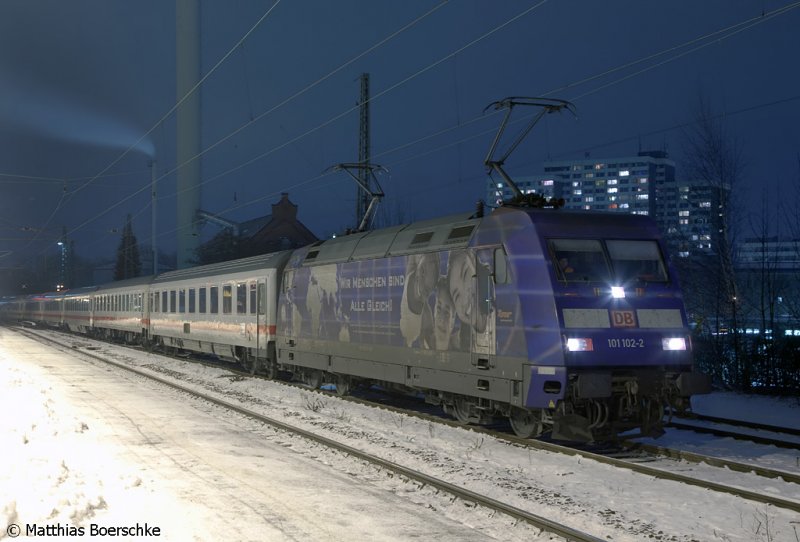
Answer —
592 260
580 260
637 261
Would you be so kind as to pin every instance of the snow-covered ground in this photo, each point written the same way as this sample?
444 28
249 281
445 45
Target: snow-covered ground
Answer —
84 445
125 451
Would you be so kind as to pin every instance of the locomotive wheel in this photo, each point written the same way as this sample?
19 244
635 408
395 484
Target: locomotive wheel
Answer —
461 409
271 369
312 379
526 424
343 385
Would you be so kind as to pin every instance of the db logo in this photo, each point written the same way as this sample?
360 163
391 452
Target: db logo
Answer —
623 319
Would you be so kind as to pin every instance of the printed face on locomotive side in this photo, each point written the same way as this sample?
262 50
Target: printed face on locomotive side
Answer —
438 301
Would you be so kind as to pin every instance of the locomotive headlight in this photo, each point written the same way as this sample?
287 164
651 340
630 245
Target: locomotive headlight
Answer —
617 292
674 343
580 345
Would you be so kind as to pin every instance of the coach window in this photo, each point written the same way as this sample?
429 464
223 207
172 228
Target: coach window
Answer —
252 298
202 304
164 301
172 299
227 299
191 300
500 266
181 301
153 301
214 300
241 298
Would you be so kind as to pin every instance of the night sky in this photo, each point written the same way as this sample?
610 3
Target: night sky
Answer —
82 81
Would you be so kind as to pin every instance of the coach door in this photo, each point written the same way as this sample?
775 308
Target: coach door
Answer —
261 318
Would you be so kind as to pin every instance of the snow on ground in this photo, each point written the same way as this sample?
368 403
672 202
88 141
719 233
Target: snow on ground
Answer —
778 411
611 503
84 445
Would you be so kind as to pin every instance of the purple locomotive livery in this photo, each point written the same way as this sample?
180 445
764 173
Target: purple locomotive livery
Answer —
564 322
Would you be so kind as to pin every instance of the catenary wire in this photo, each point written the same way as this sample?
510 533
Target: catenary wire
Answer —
746 25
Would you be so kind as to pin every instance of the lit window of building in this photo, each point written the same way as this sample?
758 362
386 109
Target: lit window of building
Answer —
624 173
683 213
612 181
642 196
706 204
612 190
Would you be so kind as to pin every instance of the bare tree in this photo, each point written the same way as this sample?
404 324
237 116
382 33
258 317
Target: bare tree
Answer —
715 158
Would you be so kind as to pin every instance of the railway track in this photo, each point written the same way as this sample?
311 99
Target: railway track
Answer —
743 423
518 514
635 458
736 466
722 432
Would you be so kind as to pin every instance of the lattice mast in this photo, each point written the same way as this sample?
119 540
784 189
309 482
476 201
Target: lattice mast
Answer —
363 197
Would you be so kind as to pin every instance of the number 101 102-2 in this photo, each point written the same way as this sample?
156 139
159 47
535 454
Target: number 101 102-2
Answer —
626 343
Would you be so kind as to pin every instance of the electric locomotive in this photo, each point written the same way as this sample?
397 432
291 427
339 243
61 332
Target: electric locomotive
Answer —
565 322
